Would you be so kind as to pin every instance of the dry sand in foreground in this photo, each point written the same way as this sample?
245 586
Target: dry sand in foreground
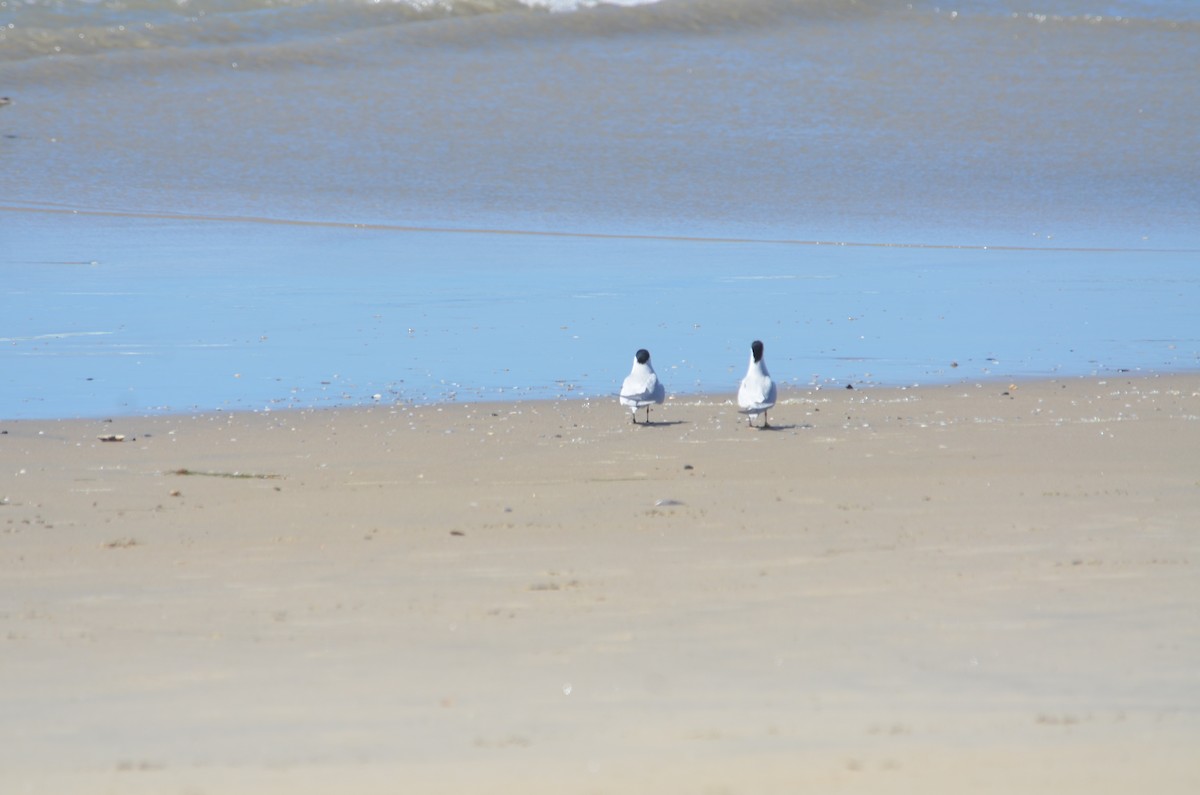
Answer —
977 588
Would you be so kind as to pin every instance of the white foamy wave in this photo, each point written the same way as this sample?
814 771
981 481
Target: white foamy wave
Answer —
576 5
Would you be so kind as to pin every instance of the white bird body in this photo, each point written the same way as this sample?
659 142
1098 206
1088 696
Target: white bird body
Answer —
641 388
757 392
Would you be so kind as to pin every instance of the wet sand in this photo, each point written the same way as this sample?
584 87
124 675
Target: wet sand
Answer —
129 316
972 588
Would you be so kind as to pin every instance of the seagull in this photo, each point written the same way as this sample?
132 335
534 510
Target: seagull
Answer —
642 387
757 393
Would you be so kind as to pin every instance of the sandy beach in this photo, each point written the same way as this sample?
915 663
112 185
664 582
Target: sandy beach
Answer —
265 530
971 588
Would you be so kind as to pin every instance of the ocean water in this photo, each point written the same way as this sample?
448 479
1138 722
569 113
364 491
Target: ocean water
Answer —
250 204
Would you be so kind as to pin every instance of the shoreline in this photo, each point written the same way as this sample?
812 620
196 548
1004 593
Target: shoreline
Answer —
889 591
499 318
790 394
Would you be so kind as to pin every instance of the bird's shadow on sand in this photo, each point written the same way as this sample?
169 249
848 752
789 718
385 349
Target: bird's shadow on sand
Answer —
660 423
777 428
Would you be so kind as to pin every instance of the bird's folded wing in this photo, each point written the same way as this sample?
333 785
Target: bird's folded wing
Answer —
642 389
755 396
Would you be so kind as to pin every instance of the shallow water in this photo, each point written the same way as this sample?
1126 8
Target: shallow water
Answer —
128 316
218 203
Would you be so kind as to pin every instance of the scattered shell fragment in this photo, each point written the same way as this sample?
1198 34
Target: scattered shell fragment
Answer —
113 437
